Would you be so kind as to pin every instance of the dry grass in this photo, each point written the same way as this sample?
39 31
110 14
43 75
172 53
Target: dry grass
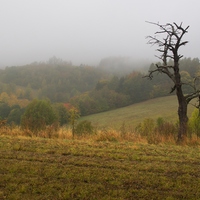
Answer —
109 135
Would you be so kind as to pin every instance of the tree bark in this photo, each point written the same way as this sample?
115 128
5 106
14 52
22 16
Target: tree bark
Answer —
182 114
182 102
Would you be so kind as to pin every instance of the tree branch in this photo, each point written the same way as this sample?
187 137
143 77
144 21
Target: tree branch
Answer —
191 96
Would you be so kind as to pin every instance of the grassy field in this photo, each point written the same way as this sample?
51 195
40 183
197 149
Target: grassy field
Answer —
105 165
36 168
165 107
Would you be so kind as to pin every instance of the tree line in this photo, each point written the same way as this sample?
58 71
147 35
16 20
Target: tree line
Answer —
88 89
132 88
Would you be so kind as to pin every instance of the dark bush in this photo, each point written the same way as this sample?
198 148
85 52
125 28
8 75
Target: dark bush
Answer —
38 115
84 128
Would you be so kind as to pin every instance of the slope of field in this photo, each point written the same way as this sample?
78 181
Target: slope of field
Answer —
35 168
165 107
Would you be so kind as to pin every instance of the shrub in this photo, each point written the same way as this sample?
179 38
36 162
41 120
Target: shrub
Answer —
123 129
4 110
73 116
146 127
84 127
157 132
15 115
38 114
165 128
160 121
194 123
61 113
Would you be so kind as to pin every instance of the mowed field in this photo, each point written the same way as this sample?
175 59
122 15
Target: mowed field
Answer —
36 168
165 107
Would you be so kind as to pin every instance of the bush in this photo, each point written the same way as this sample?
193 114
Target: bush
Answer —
166 128
146 127
194 123
61 113
157 132
4 110
38 114
84 128
15 115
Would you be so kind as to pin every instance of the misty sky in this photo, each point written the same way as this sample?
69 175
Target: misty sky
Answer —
85 31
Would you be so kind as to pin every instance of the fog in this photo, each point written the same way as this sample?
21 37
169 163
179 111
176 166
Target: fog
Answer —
85 31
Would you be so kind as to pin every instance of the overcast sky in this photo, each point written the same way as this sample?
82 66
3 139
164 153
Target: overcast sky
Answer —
85 31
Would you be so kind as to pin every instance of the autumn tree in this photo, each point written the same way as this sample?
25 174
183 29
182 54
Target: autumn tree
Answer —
74 115
168 46
38 114
61 113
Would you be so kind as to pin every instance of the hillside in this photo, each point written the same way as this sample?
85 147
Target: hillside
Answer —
165 107
89 89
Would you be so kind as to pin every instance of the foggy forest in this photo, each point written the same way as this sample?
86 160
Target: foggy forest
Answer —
89 89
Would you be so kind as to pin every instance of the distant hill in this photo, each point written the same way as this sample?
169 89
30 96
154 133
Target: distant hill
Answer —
123 65
56 80
90 89
165 107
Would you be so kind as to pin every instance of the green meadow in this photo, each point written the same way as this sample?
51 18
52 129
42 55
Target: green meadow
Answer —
165 107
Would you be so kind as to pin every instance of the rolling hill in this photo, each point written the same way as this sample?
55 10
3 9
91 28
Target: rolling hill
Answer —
165 107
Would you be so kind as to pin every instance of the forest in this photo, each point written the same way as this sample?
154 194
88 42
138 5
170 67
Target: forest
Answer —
110 85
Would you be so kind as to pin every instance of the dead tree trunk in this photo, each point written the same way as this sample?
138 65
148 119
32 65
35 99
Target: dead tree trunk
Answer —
182 101
182 114
168 47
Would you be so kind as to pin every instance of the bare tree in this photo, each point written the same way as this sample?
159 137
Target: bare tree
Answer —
168 47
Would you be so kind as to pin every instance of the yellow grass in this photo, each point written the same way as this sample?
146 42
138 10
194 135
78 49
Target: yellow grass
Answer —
103 135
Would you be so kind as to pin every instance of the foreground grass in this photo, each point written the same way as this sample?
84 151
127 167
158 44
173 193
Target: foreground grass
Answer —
36 168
